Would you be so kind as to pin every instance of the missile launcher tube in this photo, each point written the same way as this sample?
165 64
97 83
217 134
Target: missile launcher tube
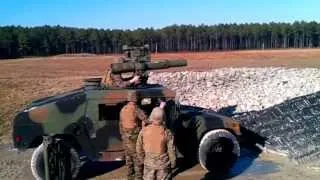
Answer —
118 68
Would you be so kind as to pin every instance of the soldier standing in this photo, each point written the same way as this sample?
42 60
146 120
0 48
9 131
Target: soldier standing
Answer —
156 148
131 120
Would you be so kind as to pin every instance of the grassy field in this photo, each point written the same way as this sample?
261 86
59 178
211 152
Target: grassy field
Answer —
24 80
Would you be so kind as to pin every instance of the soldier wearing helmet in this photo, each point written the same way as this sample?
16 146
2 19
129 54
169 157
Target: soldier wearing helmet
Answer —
123 80
132 118
155 147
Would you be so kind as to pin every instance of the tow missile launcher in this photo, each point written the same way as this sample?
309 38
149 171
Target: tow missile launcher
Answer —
84 122
118 68
137 61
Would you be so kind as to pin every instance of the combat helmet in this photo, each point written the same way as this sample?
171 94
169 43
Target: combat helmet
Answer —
157 115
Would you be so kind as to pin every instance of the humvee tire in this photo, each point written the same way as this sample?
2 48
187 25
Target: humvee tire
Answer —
37 162
218 151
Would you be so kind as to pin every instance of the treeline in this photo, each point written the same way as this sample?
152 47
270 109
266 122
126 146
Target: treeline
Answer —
17 41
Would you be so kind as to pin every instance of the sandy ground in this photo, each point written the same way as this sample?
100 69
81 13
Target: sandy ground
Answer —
265 167
24 80
15 166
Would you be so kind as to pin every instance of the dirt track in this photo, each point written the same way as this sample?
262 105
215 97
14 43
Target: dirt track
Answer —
15 166
265 167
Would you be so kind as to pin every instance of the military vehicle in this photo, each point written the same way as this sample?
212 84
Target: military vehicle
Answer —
67 127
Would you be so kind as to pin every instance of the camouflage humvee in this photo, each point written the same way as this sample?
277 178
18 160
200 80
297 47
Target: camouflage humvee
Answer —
84 123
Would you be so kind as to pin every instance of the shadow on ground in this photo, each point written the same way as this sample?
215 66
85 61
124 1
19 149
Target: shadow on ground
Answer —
248 162
96 168
245 163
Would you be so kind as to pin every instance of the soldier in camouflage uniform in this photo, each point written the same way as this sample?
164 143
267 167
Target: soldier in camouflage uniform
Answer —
156 148
132 118
116 80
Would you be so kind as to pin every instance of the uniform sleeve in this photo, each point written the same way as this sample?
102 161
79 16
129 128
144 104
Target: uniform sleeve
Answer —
139 148
106 78
142 116
171 149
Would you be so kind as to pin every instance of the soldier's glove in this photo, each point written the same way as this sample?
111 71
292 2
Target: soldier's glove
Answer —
135 79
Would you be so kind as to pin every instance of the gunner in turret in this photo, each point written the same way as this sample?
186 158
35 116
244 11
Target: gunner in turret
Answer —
130 79
123 80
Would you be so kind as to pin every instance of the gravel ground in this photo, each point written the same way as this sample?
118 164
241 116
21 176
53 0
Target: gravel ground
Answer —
247 88
14 165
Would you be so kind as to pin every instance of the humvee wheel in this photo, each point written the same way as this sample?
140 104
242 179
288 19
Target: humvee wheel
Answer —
218 151
38 167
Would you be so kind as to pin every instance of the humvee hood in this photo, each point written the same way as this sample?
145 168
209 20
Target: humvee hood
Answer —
50 99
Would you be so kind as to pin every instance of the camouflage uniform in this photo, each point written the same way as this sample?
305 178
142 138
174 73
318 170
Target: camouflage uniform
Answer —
115 80
156 149
131 120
